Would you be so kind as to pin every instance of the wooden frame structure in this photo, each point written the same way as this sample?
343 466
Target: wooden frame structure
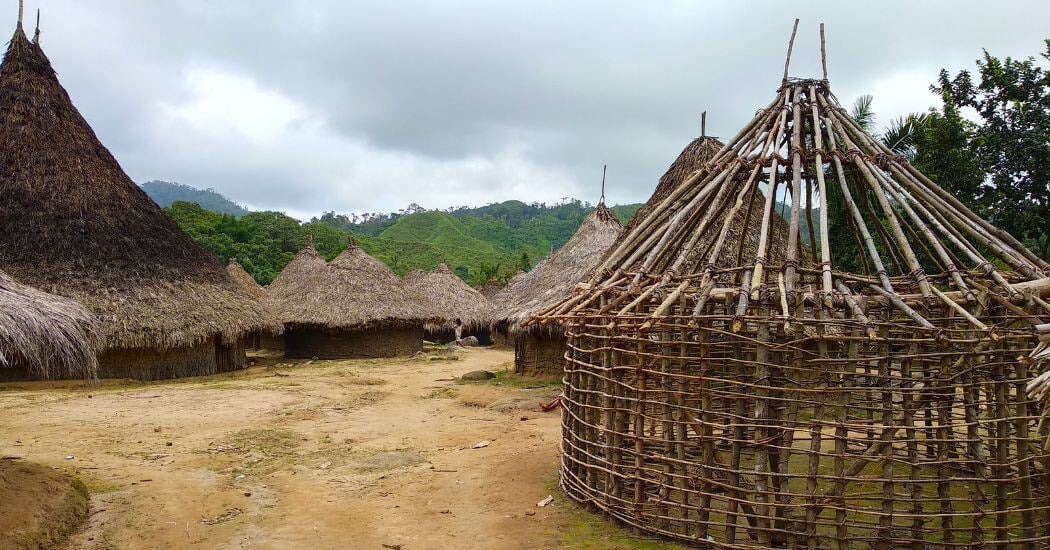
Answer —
723 393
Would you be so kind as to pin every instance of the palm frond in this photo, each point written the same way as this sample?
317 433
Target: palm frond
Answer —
862 112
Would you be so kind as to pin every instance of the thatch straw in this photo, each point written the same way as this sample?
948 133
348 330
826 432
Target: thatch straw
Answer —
490 288
43 334
452 298
244 280
554 278
354 291
72 223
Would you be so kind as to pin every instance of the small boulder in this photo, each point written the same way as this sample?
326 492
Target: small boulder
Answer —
477 376
469 341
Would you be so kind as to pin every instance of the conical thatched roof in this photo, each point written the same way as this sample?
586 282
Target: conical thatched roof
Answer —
556 277
453 298
72 223
244 279
490 288
44 334
414 276
355 290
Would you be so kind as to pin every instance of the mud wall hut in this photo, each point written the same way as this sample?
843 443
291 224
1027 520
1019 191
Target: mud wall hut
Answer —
539 350
353 307
44 336
73 224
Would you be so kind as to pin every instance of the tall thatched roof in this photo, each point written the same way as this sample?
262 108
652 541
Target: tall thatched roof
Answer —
244 279
555 278
44 334
355 290
453 298
72 223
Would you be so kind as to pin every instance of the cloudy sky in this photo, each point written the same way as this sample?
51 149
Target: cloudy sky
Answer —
308 106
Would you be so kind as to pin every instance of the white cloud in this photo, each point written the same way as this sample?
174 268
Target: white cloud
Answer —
266 150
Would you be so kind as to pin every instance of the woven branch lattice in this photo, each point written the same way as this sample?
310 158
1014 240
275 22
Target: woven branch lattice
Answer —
727 384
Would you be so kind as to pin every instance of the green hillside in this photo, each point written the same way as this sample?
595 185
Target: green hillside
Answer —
477 243
167 193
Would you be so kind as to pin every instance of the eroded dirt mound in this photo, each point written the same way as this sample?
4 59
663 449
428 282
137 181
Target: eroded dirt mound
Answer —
41 506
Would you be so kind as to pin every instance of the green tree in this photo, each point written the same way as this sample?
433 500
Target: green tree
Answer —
1012 98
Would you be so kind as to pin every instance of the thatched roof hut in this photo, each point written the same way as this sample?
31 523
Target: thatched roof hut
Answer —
490 288
538 350
352 307
557 275
452 298
244 280
43 335
72 223
891 355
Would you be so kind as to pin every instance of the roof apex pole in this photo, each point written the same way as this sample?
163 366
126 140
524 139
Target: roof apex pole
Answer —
601 200
21 8
703 125
791 44
823 53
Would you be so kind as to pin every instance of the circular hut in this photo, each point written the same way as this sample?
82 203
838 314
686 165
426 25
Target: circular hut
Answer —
253 340
44 336
454 300
73 224
727 395
540 350
353 307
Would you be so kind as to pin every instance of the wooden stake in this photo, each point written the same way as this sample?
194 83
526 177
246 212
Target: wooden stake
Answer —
823 55
791 44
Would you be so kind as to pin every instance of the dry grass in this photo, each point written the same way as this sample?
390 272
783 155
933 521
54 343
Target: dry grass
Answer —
43 334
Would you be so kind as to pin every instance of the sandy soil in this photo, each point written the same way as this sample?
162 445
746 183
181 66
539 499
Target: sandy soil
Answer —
40 506
330 454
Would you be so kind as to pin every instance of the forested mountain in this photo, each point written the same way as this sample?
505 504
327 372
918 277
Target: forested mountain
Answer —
477 243
167 193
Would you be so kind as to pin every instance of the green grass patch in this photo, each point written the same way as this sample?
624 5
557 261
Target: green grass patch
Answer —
586 531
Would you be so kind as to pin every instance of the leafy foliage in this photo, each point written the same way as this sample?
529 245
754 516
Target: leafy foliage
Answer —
1012 98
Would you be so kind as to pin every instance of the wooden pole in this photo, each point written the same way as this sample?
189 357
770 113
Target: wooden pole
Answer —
703 125
791 44
823 54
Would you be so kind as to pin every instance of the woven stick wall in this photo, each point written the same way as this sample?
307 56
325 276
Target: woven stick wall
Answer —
719 398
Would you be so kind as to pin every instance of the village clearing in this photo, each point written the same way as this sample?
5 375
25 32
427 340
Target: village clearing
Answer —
311 454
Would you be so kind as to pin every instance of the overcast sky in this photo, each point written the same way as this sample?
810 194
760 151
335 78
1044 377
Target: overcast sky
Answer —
354 106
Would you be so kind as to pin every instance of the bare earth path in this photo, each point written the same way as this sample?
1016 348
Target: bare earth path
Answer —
331 454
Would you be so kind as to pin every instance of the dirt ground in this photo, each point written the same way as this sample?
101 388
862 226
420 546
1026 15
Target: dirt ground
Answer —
323 454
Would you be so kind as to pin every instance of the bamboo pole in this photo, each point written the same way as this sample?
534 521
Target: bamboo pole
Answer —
873 254
791 44
887 210
791 256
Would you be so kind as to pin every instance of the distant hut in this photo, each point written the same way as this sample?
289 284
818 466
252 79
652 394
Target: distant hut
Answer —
490 288
353 307
247 283
539 350
43 335
453 299
414 276
72 223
